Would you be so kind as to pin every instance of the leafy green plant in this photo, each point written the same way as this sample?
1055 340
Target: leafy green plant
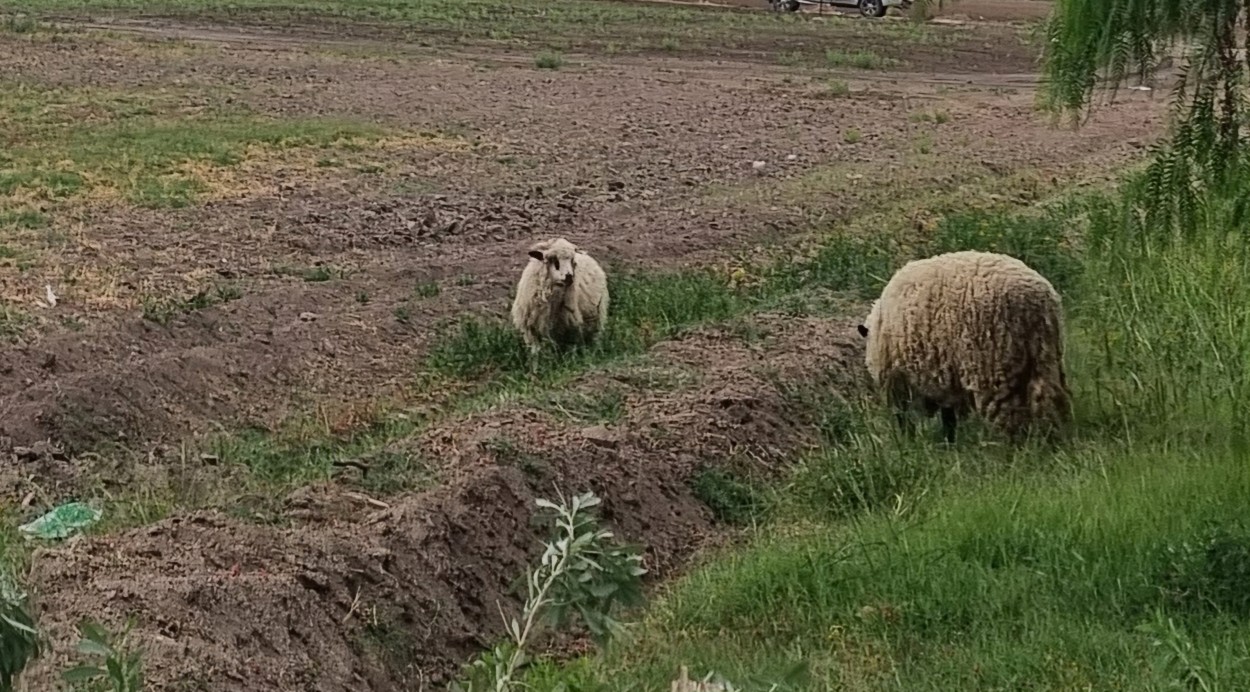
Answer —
120 668
19 641
581 571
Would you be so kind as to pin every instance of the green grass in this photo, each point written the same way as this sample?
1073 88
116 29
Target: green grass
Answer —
1037 577
603 406
646 308
936 117
135 145
20 24
261 468
860 60
12 321
1117 560
165 310
732 500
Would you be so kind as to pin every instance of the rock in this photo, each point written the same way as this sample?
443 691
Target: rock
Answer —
758 165
308 316
602 437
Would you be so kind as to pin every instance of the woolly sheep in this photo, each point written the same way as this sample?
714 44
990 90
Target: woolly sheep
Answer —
970 331
562 296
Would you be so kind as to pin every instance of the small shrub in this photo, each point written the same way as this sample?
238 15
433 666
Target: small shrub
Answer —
924 144
851 136
548 61
838 88
20 24
582 571
427 289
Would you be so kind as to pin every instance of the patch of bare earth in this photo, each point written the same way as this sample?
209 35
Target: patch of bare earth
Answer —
361 594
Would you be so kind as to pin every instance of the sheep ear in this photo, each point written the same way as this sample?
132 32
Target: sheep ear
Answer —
863 331
537 254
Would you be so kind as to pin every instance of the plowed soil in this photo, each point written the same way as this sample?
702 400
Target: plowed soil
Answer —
364 595
647 159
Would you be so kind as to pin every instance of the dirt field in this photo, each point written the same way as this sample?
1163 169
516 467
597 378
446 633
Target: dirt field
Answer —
256 227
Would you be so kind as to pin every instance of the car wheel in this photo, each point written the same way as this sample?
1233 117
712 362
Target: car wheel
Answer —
872 8
792 6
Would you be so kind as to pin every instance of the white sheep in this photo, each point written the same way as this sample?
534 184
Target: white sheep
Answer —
562 296
970 331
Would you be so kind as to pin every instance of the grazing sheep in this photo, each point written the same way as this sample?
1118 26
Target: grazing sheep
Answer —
562 296
970 331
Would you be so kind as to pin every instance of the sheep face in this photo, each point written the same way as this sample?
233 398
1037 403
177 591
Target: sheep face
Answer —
559 260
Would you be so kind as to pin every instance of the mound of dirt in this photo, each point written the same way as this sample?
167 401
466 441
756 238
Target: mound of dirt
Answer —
361 594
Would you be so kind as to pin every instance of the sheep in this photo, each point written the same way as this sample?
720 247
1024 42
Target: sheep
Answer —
562 296
968 331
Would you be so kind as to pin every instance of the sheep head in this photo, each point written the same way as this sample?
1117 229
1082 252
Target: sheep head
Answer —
872 314
559 258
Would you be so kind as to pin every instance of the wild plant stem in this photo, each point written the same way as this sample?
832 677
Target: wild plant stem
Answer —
533 607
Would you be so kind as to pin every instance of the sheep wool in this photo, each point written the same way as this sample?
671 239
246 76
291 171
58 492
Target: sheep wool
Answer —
562 296
970 331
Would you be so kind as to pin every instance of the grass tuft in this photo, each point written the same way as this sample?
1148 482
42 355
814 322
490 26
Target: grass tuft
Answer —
165 310
548 61
860 60
645 309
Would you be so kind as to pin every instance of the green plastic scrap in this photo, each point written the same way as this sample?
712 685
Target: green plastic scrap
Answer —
61 522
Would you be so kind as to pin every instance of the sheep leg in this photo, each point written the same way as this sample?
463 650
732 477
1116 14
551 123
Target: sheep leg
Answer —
1008 411
899 398
905 423
949 419
531 344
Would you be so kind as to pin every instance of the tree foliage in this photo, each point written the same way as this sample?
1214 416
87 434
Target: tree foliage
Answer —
1105 41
